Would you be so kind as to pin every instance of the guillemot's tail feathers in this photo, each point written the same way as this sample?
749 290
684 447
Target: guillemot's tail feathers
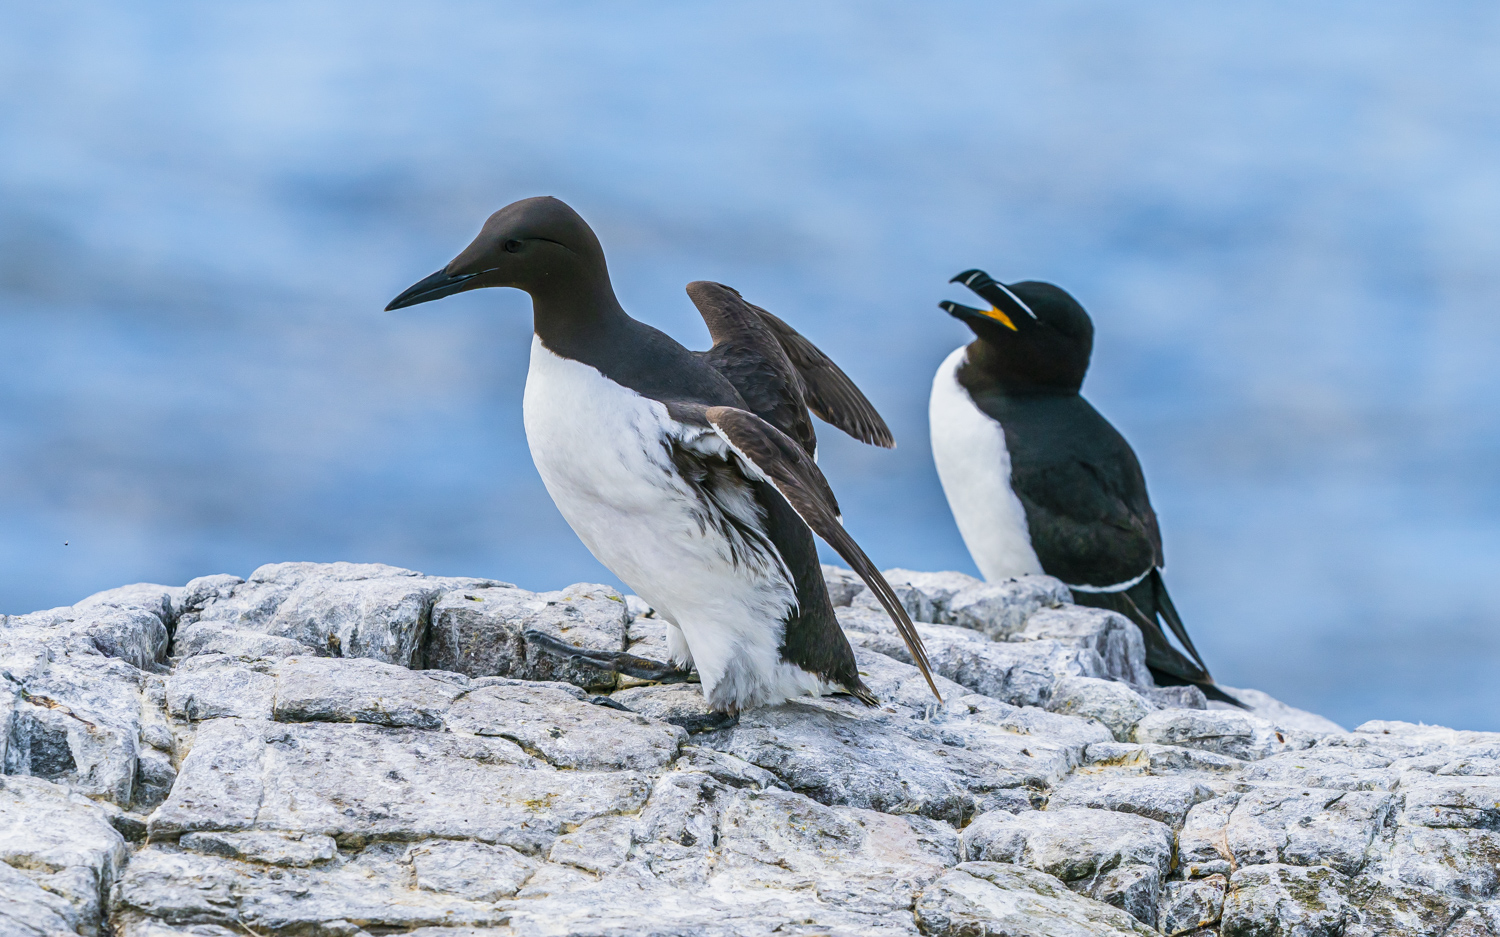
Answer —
773 455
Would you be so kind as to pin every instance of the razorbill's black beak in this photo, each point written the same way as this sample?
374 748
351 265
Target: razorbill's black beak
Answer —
437 286
962 312
1008 309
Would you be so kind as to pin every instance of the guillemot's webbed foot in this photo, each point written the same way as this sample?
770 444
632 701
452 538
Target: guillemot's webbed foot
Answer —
641 668
705 722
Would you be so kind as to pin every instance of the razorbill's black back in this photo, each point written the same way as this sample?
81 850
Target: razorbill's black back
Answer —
1037 480
689 474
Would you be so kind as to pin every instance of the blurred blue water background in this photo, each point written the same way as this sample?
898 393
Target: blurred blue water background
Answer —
1284 218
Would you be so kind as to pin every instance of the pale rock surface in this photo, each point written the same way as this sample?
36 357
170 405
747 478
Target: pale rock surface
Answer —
1114 857
348 749
1110 702
1280 899
1166 799
59 856
292 849
482 632
991 898
1225 732
1191 905
214 637
843 585
338 609
938 589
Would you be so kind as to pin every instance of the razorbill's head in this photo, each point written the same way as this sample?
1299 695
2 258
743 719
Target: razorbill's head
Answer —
1033 338
536 245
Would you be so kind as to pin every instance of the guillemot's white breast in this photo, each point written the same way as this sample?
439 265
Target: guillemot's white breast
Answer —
973 464
605 454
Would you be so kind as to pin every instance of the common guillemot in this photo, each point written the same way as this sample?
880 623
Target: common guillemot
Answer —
1040 482
691 475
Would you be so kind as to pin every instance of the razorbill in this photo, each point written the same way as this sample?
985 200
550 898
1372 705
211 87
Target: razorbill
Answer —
691 475
1037 480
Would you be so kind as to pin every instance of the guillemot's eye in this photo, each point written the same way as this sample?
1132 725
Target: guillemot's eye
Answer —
512 246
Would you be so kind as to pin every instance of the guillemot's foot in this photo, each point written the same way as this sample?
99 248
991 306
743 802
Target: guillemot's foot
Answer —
705 722
641 668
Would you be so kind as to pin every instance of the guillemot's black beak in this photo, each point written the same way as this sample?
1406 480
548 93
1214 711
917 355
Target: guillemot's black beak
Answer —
1008 308
437 286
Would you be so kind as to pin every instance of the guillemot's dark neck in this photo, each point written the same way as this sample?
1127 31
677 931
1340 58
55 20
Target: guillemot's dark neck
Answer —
576 313
577 316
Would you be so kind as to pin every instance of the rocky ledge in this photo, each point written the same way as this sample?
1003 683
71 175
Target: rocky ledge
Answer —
331 750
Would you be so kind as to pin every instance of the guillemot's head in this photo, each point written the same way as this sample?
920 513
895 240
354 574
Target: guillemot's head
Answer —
1034 338
532 245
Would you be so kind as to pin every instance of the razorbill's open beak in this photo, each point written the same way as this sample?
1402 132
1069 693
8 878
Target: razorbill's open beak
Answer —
960 311
1008 307
437 286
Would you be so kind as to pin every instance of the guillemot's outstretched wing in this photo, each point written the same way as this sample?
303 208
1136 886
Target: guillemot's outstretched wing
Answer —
747 352
830 392
780 373
776 458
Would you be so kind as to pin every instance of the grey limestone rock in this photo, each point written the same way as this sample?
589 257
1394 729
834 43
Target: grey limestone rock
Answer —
311 689
843 585
289 849
216 686
1295 826
1274 710
359 783
1114 857
937 588
1118 644
337 750
59 856
646 637
1024 673
1111 702
917 602
76 718
482 632
474 871
71 684
1339 767
1001 609
1020 674
956 761
1166 799
1225 732
1132 758
162 601
215 637
338 609
999 899
1281 899
372 889
567 732
1174 697
1193 904
154 777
